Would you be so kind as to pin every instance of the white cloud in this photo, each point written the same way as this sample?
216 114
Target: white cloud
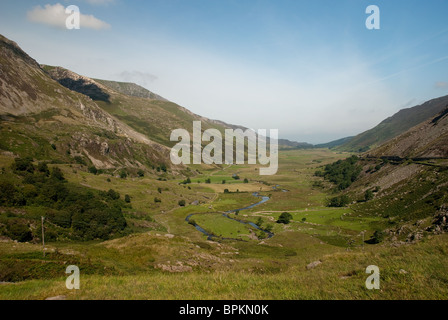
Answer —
441 85
55 16
100 2
141 78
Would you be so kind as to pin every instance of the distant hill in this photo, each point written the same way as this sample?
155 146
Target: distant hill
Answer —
287 144
335 143
395 125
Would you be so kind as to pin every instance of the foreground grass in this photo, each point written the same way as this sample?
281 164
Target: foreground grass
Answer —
340 276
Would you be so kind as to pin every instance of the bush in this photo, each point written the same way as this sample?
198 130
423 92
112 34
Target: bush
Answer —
141 173
19 232
23 165
368 195
157 200
285 218
93 170
57 174
340 201
378 236
112 194
127 199
246 181
182 203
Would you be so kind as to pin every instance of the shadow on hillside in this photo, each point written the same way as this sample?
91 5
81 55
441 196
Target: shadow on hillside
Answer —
89 89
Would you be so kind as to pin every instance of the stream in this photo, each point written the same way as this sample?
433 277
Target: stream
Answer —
226 214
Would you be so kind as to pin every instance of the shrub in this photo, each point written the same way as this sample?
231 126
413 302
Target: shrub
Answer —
157 200
182 203
340 201
93 170
368 195
19 232
127 199
57 174
285 218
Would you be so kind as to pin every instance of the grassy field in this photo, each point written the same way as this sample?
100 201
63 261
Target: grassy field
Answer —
166 251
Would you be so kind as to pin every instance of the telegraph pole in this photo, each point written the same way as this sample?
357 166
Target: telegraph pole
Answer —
43 237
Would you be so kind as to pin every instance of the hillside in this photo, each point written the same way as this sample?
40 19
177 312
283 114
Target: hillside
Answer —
405 180
395 125
335 143
153 117
130 89
45 120
426 140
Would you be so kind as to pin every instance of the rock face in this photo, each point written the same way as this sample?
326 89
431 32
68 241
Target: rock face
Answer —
313 265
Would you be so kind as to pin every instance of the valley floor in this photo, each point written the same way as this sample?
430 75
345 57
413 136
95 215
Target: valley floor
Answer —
321 254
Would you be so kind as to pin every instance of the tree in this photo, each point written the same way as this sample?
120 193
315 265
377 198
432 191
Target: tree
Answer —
20 232
226 191
141 173
285 218
159 190
340 201
127 198
182 203
114 195
208 181
223 181
43 168
246 180
57 174
93 170
23 164
123 174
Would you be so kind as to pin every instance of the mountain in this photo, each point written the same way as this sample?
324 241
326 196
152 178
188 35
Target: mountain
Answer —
130 89
153 117
395 125
426 140
406 181
42 119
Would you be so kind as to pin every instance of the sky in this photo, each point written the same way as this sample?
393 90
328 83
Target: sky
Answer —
311 69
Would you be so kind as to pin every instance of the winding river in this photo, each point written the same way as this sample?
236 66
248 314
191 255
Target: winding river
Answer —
226 214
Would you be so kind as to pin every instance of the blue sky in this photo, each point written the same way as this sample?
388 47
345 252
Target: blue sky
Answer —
308 68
